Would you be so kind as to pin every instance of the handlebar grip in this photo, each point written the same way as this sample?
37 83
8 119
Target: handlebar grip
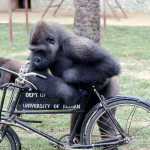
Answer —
41 76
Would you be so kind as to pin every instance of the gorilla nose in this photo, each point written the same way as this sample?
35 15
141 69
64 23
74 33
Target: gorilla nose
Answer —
37 59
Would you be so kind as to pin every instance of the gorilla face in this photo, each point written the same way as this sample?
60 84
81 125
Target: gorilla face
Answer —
40 60
43 44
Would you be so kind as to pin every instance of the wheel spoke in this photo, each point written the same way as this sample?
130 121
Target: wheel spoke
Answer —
130 119
110 126
141 129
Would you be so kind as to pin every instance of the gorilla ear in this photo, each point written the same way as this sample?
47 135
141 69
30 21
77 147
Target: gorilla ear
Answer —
50 40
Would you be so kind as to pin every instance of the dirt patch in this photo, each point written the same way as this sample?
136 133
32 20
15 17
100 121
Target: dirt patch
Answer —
19 17
134 19
139 75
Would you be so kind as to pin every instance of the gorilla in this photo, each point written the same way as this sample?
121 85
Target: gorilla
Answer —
11 64
76 60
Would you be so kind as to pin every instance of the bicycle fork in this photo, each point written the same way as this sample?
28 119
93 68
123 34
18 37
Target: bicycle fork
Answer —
109 113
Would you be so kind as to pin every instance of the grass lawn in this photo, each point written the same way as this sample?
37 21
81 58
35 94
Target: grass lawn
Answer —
128 44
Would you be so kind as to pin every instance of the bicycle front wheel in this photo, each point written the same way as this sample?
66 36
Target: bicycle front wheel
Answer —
7 143
133 117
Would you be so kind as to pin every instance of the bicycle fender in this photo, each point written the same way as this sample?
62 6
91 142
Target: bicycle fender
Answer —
128 97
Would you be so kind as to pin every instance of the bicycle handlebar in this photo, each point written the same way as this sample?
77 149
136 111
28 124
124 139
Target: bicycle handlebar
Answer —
12 72
25 75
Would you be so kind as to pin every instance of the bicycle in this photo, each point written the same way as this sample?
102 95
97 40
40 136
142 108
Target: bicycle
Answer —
127 128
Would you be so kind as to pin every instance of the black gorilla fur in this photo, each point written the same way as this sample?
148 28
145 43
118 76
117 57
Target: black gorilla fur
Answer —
74 59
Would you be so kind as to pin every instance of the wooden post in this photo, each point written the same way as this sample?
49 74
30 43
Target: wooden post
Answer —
10 21
26 10
104 18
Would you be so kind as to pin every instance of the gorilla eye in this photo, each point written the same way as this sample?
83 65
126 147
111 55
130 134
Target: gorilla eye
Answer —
50 40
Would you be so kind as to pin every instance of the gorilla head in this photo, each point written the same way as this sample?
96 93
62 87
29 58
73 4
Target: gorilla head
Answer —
45 39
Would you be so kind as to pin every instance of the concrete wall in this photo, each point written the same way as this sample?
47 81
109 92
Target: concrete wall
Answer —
136 5
67 6
4 5
40 5
131 5
128 5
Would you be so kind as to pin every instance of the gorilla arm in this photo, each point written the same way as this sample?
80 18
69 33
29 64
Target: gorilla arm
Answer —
54 86
93 63
84 73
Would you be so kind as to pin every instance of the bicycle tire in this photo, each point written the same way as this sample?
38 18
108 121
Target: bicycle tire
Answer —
15 137
8 143
134 118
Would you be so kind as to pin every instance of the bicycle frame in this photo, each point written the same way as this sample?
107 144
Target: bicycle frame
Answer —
13 116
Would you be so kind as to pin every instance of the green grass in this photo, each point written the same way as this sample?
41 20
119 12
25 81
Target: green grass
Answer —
130 45
128 42
19 50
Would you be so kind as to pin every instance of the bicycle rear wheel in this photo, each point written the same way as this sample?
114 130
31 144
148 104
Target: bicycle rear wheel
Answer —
7 143
134 118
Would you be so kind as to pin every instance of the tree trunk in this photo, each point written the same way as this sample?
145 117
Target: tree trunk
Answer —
87 19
